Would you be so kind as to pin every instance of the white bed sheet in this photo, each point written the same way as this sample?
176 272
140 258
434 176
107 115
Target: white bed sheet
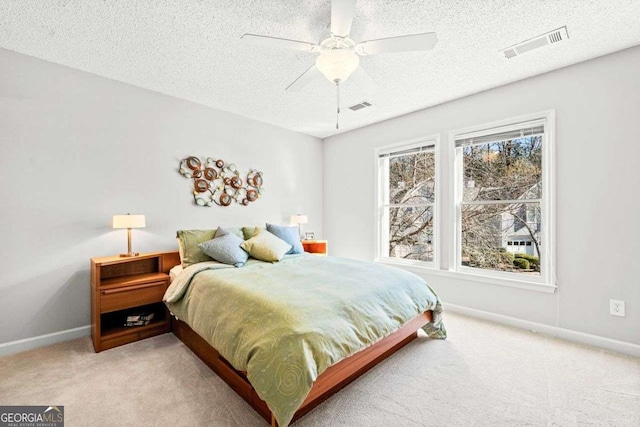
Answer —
173 273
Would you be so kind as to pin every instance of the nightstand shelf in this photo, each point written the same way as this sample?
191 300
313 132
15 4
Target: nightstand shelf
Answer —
121 287
111 324
125 330
316 247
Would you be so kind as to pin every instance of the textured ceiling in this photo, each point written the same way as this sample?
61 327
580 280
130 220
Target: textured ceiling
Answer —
192 49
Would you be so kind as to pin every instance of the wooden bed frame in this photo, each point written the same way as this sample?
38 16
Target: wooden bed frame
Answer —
328 383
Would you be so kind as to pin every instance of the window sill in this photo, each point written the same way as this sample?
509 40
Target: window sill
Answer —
518 284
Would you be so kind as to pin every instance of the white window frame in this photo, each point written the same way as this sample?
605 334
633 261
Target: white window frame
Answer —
546 281
432 140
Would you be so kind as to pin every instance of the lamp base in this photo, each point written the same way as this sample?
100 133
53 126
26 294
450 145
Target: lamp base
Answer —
130 254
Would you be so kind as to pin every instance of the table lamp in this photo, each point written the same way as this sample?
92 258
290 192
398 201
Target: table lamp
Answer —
299 219
128 221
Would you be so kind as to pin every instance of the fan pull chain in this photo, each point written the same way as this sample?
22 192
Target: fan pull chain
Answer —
338 104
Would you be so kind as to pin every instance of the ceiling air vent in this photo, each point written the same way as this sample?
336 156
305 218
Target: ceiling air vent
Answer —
360 106
554 36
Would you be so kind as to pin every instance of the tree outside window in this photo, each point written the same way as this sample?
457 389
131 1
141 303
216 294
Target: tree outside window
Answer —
408 199
500 221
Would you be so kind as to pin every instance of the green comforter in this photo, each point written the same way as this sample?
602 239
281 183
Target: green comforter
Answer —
286 323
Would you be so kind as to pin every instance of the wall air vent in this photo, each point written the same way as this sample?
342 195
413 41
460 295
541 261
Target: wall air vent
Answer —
360 106
554 36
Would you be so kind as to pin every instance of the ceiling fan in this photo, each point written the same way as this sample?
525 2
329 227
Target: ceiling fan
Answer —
339 55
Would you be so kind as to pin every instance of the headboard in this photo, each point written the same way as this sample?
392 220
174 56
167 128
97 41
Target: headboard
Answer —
169 260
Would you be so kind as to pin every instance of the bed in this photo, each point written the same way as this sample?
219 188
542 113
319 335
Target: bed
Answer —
286 336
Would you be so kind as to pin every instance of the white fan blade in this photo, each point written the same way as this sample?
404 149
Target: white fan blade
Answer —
342 12
424 41
364 80
278 42
304 79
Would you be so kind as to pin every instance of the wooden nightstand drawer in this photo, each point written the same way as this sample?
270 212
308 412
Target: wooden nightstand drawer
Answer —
131 296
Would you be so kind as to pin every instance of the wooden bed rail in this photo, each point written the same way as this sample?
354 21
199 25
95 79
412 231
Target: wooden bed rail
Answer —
328 383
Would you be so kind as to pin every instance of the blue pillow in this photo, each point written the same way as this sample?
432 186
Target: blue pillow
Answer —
288 233
225 248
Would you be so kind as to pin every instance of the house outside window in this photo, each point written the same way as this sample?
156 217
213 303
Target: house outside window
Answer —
407 203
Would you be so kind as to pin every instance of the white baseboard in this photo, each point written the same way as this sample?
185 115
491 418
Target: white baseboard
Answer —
581 337
43 340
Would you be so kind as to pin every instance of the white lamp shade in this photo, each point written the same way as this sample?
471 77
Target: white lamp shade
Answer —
128 221
337 64
299 219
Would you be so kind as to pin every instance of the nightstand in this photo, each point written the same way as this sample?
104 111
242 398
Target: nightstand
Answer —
124 286
316 247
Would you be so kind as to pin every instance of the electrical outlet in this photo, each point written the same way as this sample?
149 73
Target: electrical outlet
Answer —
616 307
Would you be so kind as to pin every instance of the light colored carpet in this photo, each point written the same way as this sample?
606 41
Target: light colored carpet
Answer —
484 375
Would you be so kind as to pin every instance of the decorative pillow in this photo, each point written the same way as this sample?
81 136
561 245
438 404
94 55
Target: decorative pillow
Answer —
265 246
288 233
225 248
188 240
248 232
234 230
180 249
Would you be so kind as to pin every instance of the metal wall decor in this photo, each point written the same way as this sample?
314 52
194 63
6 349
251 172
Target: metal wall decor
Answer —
215 182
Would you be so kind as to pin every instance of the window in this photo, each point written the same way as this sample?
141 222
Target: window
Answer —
497 225
502 201
406 203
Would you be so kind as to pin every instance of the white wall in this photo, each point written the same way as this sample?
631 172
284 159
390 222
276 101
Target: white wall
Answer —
598 180
76 148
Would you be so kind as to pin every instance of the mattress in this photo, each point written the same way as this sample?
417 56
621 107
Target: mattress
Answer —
174 272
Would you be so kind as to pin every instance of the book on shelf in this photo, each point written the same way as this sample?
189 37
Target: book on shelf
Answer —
140 316
140 319
138 323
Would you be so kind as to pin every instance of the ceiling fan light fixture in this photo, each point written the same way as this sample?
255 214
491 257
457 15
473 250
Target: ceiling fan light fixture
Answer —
338 57
337 65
